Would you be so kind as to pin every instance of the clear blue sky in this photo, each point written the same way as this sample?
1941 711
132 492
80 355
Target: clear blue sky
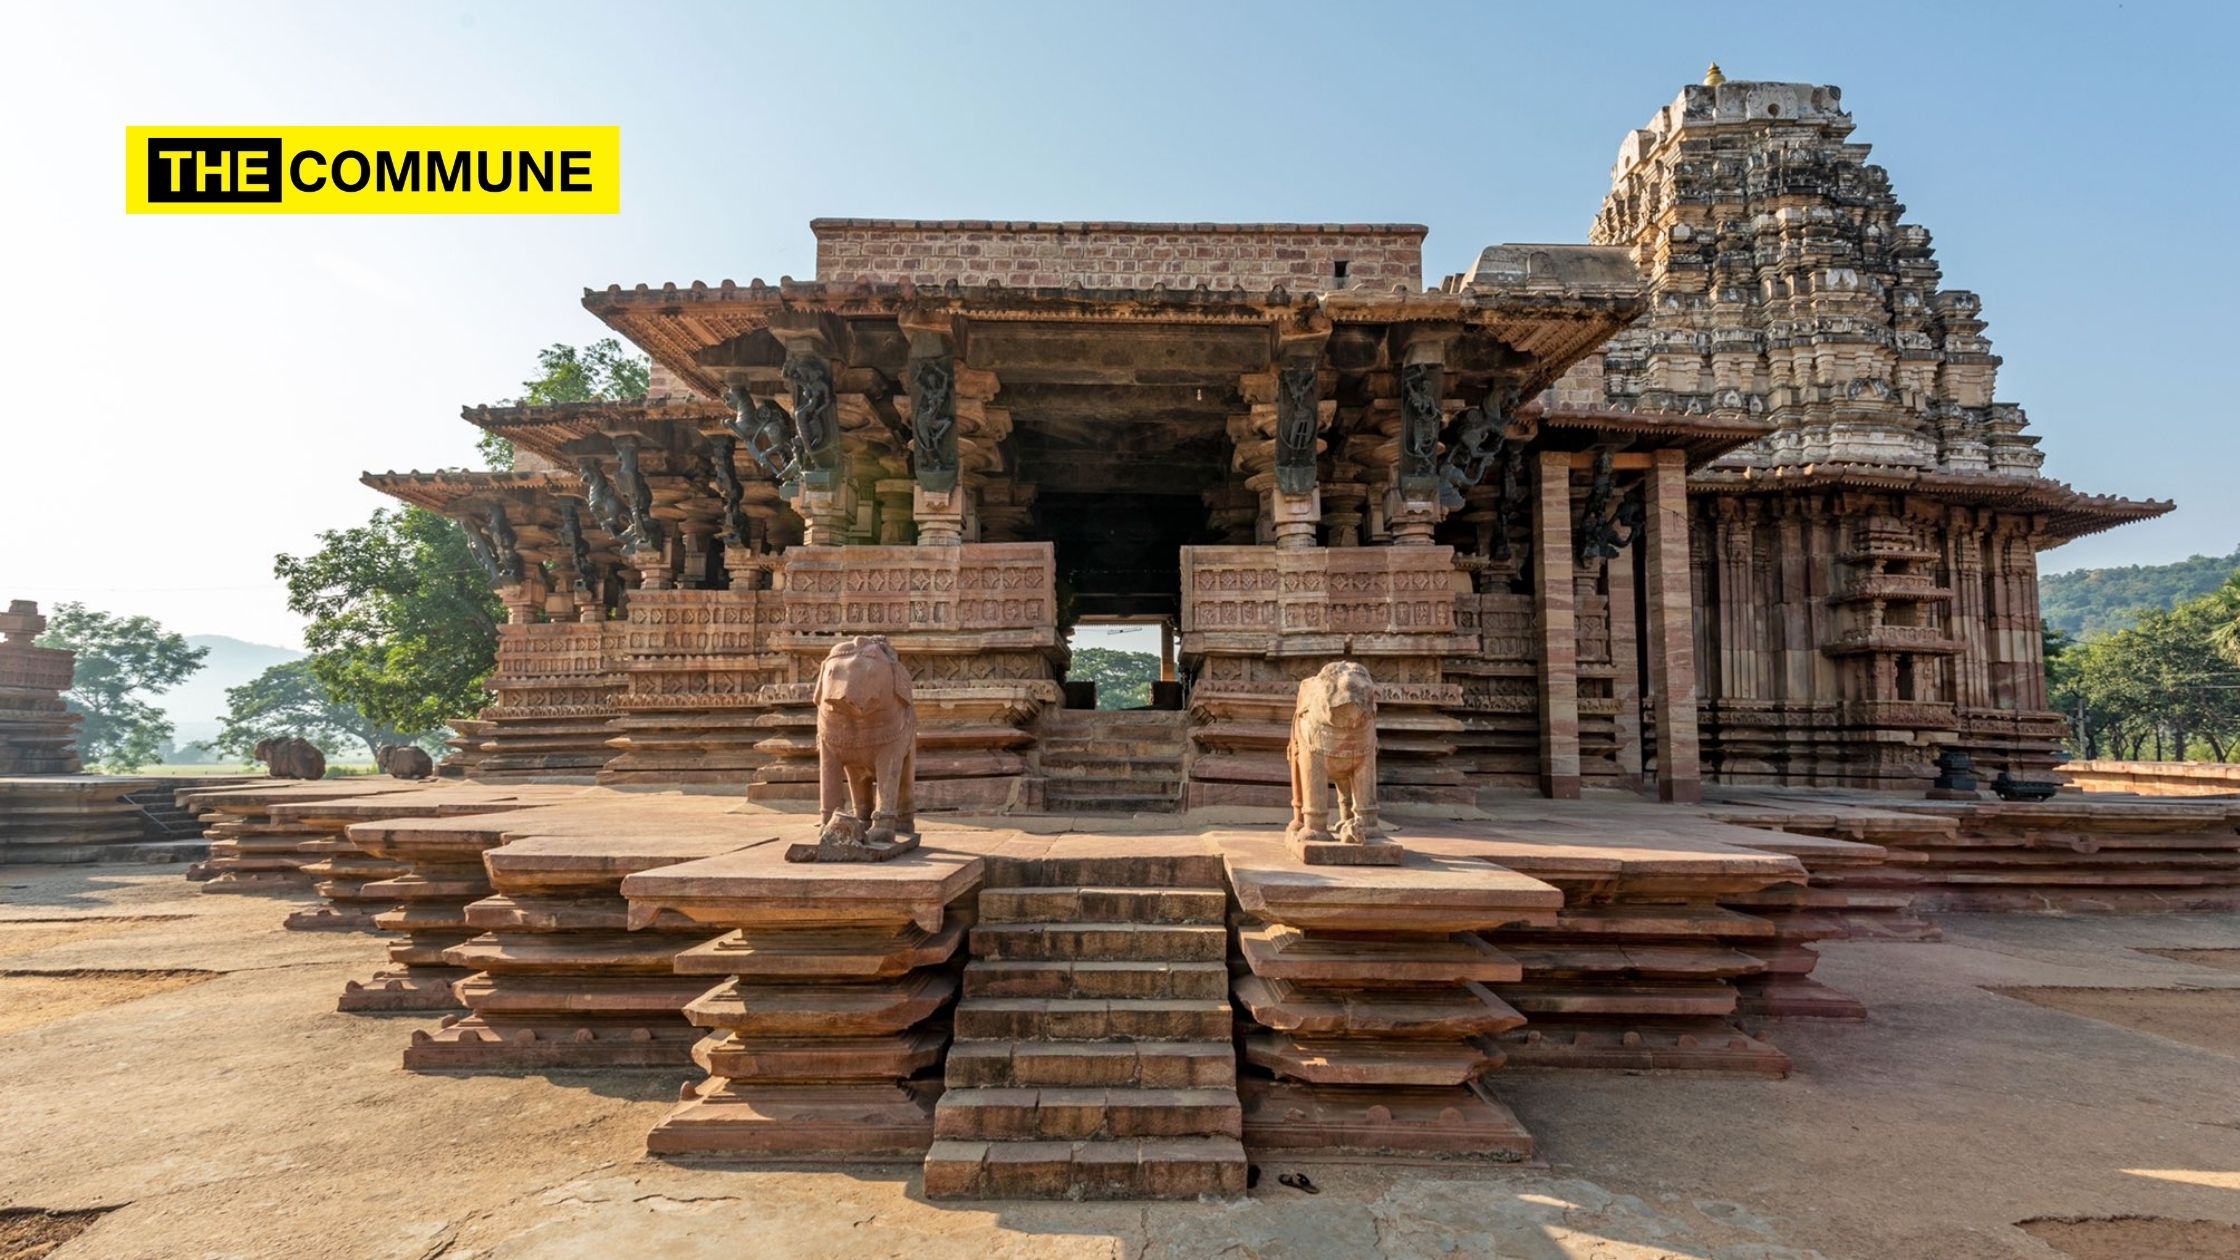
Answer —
193 394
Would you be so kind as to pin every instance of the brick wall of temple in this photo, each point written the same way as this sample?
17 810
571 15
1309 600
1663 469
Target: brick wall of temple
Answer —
1122 255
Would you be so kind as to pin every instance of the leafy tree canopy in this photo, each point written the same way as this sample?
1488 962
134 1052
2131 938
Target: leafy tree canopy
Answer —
288 699
2092 602
1123 678
603 370
2167 688
120 660
404 625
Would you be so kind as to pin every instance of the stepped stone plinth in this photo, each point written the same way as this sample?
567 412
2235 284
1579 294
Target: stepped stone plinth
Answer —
344 875
1374 999
831 988
443 875
2075 853
251 850
559 980
69 818
1643 967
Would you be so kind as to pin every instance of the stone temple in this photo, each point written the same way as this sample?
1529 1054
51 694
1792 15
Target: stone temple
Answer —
1689 564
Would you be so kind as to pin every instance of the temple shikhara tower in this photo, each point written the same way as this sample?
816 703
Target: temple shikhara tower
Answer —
1865 573
1553 652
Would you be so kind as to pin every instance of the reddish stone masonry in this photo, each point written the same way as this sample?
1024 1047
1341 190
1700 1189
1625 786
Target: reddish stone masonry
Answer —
1296 256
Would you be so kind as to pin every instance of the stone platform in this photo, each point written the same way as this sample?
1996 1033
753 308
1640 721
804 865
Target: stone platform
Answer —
1089 1006
2079 852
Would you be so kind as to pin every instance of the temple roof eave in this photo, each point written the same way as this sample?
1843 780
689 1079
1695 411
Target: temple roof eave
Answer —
450 491
549 428
2067 513
673 324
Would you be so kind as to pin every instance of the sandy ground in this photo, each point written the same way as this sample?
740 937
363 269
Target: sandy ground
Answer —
239 1114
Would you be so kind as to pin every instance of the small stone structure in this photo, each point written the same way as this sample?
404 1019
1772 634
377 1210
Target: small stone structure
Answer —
38 733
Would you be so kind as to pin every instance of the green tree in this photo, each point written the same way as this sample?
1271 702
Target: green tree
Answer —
404 625
1123 678
288 699
603 370
120 660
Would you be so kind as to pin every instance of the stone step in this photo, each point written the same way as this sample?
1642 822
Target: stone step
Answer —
1096 904
1059 1064
1088 789
1093 1113
1100 942
1201 980
1102 746
1113 803
1116 765
1094 1019
1153 1168
1133 870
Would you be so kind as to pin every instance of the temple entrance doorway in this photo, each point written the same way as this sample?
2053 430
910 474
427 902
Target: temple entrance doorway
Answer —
1119 573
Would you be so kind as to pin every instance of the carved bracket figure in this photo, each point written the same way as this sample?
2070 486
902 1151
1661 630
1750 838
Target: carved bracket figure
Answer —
867 755
579 547
933 422
504 547
600 496
1421 417
640 531
1298 419
1334 741
1607 528
479 546
1479 443
816 417
767 432
720 448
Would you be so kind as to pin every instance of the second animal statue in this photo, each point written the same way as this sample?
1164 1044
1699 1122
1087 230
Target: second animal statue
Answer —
1334 742
867 755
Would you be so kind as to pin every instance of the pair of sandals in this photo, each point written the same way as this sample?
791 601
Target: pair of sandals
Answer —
1296 1181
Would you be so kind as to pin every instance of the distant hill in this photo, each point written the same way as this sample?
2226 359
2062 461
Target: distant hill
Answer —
2101 601
198 705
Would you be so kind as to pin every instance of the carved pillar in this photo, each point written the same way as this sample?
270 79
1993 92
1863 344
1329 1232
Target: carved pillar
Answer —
1625 663
895 506
1166 650
1557 622
1672 667
827 499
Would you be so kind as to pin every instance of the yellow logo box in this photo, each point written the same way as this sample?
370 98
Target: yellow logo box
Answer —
373 170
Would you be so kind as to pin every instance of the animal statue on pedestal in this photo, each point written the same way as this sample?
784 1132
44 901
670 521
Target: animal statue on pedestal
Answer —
292 757
403 761
1334 740
867 755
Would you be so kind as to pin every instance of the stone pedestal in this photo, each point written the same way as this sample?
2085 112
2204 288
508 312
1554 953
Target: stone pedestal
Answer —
824 1018
1370 993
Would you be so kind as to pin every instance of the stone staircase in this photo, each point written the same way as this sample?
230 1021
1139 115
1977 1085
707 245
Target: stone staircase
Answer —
1093 1056
1126 761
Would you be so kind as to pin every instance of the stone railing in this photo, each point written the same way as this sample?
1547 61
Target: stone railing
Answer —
2155 778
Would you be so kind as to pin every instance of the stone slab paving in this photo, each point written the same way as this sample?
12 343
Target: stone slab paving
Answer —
306 1138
